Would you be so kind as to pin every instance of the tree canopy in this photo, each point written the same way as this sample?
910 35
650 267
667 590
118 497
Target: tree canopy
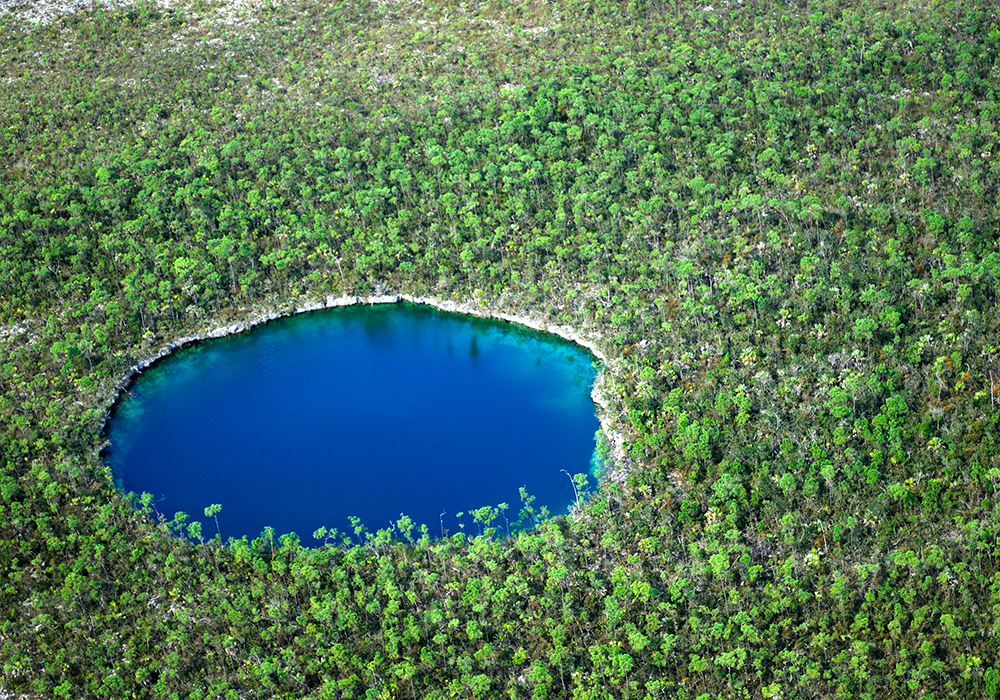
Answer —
778 221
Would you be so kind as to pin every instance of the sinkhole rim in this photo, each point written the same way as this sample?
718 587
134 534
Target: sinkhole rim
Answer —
613 462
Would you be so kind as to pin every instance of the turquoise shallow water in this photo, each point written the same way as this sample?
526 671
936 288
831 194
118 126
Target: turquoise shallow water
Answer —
363 411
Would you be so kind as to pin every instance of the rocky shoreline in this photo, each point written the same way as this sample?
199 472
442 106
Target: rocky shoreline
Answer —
616 466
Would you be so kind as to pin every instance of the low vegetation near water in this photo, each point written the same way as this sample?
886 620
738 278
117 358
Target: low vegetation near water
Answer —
779 218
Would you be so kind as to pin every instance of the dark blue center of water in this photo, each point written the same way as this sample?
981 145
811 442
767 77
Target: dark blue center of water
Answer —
368 411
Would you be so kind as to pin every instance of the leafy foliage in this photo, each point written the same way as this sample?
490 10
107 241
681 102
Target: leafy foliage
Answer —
779 218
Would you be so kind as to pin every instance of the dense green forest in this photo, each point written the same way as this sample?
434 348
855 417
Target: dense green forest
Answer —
777 219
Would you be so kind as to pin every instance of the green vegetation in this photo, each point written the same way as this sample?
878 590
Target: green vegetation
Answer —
780 217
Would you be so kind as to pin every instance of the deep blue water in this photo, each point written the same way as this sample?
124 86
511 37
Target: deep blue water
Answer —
367 411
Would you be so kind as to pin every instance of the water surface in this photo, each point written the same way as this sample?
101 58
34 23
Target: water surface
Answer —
367 411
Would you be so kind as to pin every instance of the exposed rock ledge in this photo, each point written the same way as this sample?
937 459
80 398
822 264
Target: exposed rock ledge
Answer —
617 467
